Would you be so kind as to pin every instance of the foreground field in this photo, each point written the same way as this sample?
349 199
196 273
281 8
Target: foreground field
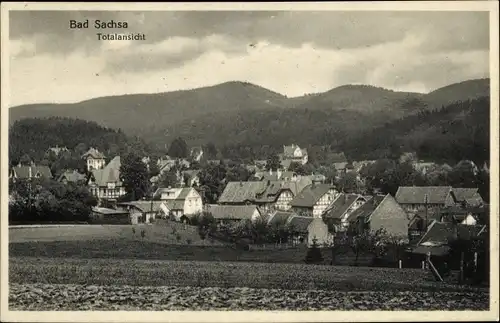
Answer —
220 274
165 232
43 297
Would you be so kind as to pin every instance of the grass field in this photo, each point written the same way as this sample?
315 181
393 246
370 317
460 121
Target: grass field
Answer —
110 268
165 232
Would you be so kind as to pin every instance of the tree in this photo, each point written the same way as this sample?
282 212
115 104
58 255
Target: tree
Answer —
212 182
210 151
134 175
314 255
169 178
178 148
348 182
273 162
25 160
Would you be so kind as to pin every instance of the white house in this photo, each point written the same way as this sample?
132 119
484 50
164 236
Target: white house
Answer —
105 184
95 159
295 154
185 201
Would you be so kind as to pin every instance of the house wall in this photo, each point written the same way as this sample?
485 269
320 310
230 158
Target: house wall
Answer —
389 215
93 163
283 201
323 203
193 203
318 230
107 193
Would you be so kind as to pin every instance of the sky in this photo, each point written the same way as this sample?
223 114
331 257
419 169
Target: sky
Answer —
290 52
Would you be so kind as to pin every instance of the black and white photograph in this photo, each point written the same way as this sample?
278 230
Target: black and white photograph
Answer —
252 158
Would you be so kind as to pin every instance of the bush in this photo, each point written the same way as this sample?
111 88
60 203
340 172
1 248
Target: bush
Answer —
133 230
178 237
189 241
314 254
143 233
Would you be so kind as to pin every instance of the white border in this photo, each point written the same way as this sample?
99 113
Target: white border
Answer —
255 316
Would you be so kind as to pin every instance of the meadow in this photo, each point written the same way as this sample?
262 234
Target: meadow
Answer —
111 267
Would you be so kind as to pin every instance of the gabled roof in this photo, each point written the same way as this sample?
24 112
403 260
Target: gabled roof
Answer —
299 223
241 192
109 174
182 195
341 204
72 176
438 233
365 210
469 195
288 151
94 153
232 212
279 217
417 194
310 195
23 172
143 206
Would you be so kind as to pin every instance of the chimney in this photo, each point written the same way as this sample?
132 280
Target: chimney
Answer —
270 171
29 172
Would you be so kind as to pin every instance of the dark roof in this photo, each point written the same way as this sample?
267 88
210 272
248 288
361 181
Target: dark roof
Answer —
109 174
94 153
232 212
23 172
143 206
240 192
341 204
279 217
288 151
183 192
438 233
310 195
365 210
72 176
299 223
431 216
258 192
469 195
416 194
106 211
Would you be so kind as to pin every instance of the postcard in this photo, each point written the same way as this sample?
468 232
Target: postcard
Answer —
249 162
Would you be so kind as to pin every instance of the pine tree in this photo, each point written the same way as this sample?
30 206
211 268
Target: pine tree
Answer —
314 253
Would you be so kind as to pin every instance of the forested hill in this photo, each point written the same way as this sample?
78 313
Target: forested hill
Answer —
34 136
218 113
449 134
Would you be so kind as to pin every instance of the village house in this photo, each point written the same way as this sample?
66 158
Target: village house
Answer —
418 198
436 238
231 214
105 184
166 163
196 154
94 159
468 196
294 153
102 215
468 164
29 172
382 212
180 202
342 207
142 211
56 151
317 232
72 176
314 200
298 228
424 167
191 178
267 195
